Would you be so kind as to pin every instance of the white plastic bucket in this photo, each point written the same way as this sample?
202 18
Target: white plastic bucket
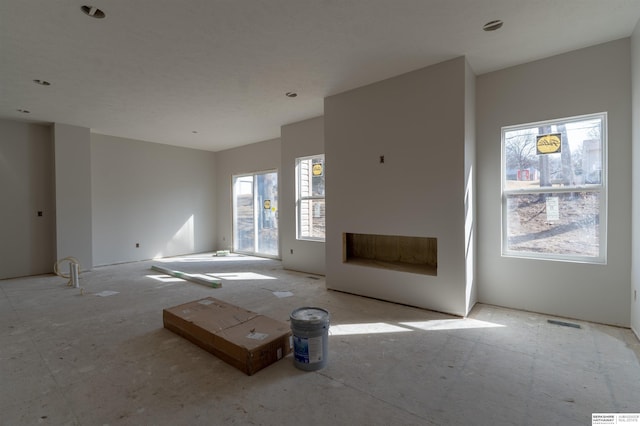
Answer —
310 329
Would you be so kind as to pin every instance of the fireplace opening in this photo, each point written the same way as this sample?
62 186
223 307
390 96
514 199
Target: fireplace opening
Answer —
418 255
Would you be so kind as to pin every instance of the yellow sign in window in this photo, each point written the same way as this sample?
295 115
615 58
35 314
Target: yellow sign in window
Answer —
549 144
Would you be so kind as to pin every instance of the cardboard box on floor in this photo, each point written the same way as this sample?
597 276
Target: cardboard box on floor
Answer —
242 338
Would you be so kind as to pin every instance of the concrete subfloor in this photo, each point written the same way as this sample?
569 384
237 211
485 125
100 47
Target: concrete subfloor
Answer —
68 358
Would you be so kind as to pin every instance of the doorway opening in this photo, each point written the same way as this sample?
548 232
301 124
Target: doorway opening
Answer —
255 214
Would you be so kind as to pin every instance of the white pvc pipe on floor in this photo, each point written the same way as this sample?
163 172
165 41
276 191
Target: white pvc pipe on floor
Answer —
73 273
209 282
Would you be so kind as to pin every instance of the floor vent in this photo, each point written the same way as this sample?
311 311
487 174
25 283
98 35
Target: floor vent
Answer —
564 324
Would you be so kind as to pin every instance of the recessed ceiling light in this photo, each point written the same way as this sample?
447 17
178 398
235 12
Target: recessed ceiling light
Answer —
493 25
291 94
93 11
24 111
42 82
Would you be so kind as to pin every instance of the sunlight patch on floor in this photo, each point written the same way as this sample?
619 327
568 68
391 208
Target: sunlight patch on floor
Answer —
365 328
431 325
231 276
209 257
451 324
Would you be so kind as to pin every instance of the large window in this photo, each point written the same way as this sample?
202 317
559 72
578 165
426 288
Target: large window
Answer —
554 198
310 215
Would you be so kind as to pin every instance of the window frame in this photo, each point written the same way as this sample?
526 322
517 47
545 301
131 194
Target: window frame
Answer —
600 188
300 198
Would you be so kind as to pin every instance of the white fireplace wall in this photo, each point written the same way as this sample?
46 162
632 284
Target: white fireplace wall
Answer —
417 121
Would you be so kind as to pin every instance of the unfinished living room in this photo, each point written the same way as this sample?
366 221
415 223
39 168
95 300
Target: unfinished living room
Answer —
293 212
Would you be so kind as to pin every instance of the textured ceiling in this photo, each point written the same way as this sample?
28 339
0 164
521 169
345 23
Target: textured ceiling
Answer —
160 70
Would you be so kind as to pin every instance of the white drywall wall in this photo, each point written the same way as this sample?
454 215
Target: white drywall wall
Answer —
158 196
27 245
635 268
585 81
300 139
73 193
470 190
252 158
417 122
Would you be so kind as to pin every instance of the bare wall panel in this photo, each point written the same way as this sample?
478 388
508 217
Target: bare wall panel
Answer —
301 139
27 216
416 121
635 272
585 81
158 196
73 193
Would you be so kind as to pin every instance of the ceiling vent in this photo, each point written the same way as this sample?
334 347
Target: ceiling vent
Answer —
93 11
493 25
